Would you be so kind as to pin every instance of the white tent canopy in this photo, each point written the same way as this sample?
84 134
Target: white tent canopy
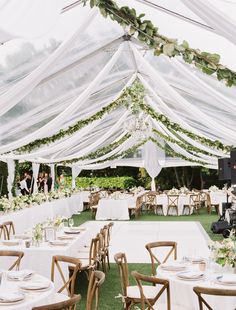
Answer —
86 61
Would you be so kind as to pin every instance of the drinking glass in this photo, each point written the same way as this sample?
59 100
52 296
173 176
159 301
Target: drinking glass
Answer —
71 222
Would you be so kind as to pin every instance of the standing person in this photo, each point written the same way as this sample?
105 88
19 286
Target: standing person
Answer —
45 188
29 182
49 182
61 182
23 186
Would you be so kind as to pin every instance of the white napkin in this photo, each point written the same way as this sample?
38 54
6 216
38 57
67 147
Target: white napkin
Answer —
190 275
228 278
6 296
20 274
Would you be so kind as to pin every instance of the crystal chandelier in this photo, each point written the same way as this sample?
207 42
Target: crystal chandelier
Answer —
138 127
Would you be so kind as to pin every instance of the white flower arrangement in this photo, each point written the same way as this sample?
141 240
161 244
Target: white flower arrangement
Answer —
224 253
184 190
173 191
213 188
21 202
136 190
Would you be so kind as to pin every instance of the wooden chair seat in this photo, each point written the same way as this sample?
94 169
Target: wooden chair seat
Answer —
149 291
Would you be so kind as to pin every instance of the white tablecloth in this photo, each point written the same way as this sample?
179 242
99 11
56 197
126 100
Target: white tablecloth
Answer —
28 217
218 198
31 299
181 292
163 200
115 209
39 258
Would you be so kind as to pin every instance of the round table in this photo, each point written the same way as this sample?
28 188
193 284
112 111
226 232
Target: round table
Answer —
182 294
32 299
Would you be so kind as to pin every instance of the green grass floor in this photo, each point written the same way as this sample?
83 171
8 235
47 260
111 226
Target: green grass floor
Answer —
111 288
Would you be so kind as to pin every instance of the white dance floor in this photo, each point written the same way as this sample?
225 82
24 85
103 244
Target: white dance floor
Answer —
131 237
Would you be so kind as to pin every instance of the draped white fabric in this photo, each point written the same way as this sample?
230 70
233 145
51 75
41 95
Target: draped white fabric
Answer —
10 177
35 168
24 18
52 172
224 25
88 71
154 160
75 172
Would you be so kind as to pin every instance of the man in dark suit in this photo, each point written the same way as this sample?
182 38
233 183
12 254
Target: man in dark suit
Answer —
49 181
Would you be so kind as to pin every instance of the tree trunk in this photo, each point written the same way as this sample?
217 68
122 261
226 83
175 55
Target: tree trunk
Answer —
177 177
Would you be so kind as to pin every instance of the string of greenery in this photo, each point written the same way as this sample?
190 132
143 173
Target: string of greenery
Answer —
172 153
129 98
188 147
16 174
147 33
215 144
120 155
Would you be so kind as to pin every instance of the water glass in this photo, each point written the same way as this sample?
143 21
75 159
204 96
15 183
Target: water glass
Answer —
71 222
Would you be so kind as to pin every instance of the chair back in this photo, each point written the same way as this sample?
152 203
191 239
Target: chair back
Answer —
95 281
151 198
145 301
121 261
173 200
161 244
108 233
14 254
94 199
69 279
94 252
194 200
69 304
10 229
3 232
203 304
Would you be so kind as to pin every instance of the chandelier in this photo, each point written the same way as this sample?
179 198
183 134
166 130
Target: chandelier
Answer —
138 127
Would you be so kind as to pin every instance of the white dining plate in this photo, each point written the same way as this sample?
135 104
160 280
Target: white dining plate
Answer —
12 242
190 276
20 275
229 279
58 243
10 298
65 237
35 286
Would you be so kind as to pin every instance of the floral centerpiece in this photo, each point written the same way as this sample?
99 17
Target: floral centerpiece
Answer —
136 190
224 253
173 191
184 190
37 234
5 204
213 188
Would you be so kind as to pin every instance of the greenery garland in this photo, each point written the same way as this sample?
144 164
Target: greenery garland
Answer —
215 144
132 94
16 174
148 34
188 147
172 153
113 157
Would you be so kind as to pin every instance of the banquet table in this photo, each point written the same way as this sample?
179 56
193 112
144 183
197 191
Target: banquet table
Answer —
32 299
28 217
182 294
39 258
162 199
115 209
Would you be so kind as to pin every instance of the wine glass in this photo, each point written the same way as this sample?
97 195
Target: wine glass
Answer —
71 222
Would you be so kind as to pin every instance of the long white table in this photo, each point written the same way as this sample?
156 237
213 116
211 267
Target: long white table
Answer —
28 217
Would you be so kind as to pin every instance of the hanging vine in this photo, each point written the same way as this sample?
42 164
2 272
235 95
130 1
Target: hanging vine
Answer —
147 33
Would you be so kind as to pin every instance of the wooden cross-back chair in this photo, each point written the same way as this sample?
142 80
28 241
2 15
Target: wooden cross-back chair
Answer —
130 294
173 201
211 205
150 201
10 229
89 259
69 304
96 280
14 254
203 304
107 242
3 232
93 202
101 248
161 244
195 202
147 302
69 283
